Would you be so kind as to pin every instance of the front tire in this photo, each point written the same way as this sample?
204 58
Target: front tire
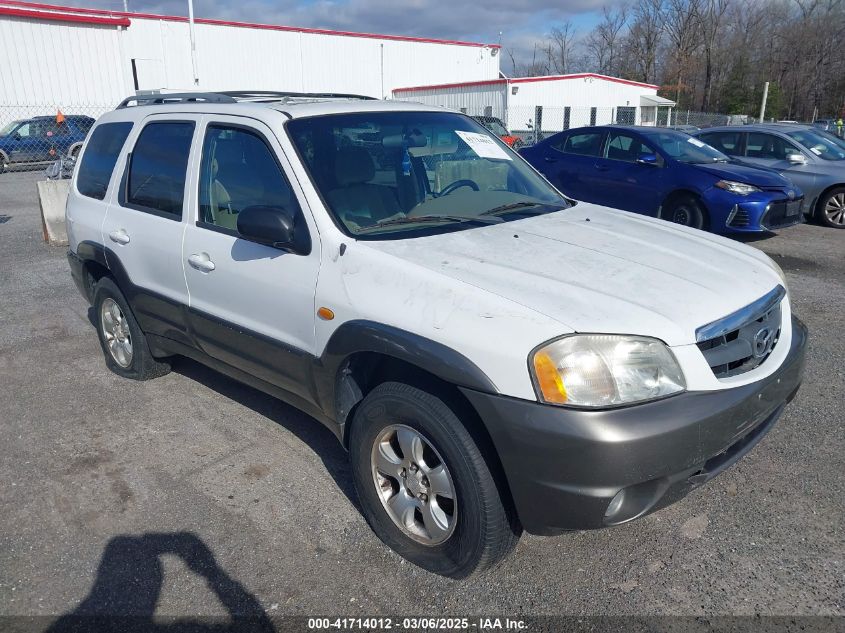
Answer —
424 485
684 210
123 343
830 210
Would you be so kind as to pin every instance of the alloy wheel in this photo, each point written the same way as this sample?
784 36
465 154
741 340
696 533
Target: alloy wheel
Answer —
414 484
116 332
834 210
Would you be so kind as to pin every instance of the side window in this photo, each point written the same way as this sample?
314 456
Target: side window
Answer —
727 142
769 146
158 167
586 144
626 147
239 170
99 159
24 130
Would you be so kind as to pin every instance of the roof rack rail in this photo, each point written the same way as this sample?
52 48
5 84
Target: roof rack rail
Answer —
257 94
176 97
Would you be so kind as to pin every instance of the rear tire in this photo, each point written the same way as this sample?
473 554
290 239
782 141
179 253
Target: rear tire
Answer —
684 210
830 211
472 530
123 343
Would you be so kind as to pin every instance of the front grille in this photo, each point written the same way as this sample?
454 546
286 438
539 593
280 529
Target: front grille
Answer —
781 214
744 339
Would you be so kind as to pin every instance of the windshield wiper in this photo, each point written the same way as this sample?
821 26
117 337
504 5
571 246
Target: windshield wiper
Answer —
419 219
513 206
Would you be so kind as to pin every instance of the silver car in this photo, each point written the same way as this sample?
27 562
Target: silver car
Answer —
812 159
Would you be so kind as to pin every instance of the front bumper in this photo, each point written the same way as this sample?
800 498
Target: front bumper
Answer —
758 212
565 466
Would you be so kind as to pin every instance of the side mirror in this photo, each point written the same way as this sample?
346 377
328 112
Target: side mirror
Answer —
797 159
273 226
16 136
647 159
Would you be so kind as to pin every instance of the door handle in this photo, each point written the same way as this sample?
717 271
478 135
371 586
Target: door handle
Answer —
601 167
120 236
202 262
550 159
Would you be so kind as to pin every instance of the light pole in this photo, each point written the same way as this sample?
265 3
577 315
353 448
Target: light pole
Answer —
193 41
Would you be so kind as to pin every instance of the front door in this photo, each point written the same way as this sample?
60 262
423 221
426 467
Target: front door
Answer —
251 305
629 185
773 151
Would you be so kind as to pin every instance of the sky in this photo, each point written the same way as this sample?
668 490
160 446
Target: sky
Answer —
521 22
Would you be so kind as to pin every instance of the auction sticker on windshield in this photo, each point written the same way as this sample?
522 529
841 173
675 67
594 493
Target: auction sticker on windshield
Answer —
483 145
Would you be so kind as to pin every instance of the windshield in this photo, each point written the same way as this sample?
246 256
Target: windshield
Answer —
391 175
9 127
685 148
819 143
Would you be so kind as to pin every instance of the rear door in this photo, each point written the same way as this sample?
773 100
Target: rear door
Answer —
251 305
729 142
569 162
144 227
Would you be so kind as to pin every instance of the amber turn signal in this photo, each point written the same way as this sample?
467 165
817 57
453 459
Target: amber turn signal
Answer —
325 314
548 379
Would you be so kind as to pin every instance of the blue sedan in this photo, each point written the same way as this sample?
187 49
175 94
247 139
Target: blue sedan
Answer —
667 174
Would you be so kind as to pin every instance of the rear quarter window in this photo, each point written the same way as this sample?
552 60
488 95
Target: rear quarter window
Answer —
99 159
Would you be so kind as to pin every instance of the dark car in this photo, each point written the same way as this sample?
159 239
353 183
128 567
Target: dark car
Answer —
810 157
667 174
42 138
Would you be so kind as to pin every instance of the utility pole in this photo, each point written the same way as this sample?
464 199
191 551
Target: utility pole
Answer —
763 105
194 42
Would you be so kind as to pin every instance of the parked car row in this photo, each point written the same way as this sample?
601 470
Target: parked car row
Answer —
727 180
42 138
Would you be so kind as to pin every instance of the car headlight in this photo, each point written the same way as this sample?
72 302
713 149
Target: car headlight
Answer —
604 370
780 274
736 187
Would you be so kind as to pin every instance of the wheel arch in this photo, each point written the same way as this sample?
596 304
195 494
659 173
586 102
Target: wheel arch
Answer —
363 371
824 193
676 194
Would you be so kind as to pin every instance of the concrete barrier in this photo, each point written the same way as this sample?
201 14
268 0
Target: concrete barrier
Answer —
52 196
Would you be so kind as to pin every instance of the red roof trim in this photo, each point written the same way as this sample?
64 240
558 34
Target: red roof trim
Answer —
519 80
250 25
64 17
583 76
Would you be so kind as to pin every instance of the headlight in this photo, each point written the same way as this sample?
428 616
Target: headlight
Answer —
780 274
603 370
736 187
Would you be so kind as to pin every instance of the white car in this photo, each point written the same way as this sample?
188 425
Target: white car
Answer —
494 357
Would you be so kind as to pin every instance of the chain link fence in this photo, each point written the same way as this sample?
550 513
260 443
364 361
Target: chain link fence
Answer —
32 136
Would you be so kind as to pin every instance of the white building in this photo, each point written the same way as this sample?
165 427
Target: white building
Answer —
557 102
83 59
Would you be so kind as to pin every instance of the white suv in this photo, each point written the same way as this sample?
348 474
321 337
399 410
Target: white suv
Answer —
494 356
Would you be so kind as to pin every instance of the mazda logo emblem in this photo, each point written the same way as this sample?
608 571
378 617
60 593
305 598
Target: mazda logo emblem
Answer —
763 342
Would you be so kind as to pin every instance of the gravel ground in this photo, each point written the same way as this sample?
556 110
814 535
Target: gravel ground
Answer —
192 494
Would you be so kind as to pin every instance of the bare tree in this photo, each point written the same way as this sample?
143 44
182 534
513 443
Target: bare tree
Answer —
561 45
604 42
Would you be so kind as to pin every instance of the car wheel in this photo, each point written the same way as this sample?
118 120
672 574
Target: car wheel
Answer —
424 485
684 210
124 344
518 145
74 152
831 209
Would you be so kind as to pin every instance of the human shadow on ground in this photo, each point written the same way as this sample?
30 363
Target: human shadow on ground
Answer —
129 582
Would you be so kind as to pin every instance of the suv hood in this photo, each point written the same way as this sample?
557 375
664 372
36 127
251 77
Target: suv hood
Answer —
746 174
595 269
